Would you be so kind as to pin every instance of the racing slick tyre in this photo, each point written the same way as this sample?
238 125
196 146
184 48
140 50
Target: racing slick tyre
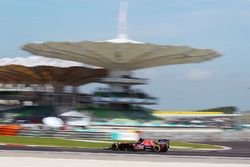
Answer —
156 148
115 147
164 149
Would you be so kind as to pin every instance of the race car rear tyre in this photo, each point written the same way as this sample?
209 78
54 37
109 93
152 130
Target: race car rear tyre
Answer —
115 147
164 149
156 148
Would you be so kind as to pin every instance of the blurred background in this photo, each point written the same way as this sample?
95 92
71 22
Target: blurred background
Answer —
122 89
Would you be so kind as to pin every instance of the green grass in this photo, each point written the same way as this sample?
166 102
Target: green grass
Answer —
82 144
195 145
49 142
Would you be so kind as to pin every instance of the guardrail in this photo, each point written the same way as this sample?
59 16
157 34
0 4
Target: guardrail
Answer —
107 134
81 135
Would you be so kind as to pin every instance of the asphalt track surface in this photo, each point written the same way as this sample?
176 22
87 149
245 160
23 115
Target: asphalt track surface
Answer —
76 159
239 149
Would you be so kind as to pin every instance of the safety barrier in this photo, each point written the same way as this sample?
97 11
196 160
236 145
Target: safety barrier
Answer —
100 134
9 130
81 135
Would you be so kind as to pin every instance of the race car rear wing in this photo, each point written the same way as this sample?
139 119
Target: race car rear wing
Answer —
163 141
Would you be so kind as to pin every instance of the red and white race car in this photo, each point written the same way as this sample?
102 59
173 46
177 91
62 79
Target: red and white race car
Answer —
142 145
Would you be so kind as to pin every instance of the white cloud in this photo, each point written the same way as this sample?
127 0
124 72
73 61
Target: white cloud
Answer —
198 74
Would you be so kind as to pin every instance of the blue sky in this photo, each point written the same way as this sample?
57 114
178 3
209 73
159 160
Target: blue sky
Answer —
220 25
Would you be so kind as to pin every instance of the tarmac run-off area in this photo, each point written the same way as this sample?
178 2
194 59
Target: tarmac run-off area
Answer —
69 159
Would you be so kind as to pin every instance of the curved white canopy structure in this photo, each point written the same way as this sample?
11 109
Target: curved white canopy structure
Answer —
121 55
40 70
33 61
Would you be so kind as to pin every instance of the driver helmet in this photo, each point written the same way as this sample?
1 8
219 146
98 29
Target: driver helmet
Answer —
141 140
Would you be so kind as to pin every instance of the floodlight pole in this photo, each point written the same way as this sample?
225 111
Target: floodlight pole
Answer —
122 19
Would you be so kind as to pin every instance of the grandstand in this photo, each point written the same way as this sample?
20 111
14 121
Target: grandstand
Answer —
40 81
120 57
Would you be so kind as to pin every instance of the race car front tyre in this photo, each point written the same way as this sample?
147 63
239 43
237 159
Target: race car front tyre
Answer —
156 148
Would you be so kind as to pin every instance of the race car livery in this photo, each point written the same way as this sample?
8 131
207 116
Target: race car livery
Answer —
142 145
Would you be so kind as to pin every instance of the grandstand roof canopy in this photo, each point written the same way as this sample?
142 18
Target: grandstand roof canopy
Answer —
37 70
121 54
33 61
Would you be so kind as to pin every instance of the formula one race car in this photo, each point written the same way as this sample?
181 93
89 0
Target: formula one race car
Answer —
142 145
